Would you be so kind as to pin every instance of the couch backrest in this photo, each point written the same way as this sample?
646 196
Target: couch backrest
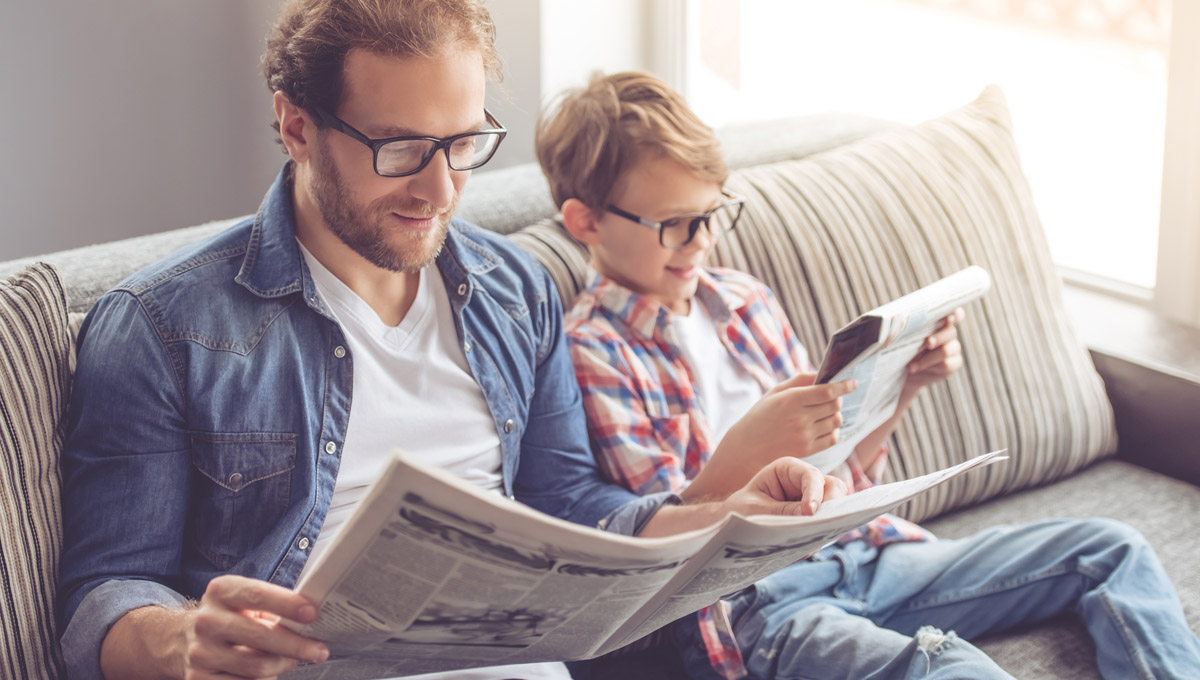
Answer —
503 200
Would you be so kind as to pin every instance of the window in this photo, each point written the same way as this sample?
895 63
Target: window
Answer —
1087 82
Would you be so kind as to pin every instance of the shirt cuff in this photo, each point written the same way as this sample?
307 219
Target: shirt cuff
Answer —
631 518
96 614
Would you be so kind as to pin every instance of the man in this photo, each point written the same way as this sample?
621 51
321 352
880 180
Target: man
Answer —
232 403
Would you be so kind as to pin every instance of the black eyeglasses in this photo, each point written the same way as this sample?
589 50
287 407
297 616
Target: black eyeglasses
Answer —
408 155
677 232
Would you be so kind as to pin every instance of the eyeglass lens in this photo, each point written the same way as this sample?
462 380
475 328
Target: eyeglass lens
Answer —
465 153
678 232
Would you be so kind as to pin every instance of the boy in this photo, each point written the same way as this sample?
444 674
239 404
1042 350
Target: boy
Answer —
680 366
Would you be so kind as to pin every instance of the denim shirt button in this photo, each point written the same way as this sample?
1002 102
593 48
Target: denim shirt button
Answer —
330 448
302 544
339 351
462 289
235 481
467 346
509 426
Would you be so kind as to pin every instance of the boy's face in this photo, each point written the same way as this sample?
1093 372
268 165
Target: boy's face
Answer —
655 189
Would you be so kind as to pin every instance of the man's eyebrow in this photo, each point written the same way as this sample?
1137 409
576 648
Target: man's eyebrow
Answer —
397 131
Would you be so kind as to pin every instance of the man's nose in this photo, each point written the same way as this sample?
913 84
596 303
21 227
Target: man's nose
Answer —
434 184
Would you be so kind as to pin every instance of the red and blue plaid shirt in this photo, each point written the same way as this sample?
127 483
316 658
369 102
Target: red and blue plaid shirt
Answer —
644 414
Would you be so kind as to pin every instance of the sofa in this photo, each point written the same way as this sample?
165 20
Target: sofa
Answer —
843 213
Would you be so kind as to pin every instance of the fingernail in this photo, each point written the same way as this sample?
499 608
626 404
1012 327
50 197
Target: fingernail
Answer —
308 613
812 507
854 384
318 654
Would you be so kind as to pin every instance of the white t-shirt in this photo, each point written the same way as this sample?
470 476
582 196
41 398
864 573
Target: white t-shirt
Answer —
414 390
726 390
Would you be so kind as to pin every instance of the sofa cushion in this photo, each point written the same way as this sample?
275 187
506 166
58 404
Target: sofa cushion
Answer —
1150 502
36 355
845 230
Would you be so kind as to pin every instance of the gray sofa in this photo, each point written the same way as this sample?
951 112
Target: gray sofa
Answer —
808 179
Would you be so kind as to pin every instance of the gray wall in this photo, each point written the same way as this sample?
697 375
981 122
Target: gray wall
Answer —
128 117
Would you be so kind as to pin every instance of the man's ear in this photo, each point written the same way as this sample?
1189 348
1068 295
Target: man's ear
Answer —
296 129
580 221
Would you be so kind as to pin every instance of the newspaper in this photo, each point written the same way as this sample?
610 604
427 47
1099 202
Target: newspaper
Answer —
433 574
875 349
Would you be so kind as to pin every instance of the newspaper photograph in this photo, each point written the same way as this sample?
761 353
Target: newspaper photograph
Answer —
875 349
433 574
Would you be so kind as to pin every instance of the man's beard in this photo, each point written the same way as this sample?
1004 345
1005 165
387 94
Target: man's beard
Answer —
361 227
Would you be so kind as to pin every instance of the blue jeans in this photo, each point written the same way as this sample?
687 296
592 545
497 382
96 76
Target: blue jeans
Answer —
861 613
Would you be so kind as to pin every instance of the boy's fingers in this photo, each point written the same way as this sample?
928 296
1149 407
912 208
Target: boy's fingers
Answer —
798 380
820 394
834 488
941 337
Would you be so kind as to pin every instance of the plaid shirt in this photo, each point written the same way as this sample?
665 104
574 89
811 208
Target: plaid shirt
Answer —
644 414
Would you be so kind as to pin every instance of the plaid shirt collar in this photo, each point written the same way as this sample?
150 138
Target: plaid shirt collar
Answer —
646 316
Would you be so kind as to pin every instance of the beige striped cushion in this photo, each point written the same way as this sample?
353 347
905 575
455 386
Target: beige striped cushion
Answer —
844 231
35 382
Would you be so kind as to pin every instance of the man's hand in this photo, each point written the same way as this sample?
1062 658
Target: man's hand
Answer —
796 418
234 631
787 486
940 355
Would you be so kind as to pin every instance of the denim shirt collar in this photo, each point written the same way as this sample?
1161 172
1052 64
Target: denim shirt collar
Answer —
274 267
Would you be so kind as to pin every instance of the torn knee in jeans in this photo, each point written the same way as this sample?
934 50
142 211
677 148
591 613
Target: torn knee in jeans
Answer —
930 641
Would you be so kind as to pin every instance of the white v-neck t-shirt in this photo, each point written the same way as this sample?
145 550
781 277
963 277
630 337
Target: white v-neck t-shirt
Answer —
726 390
413 390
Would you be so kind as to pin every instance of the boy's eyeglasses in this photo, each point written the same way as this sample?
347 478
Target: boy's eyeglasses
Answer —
677 232
408 155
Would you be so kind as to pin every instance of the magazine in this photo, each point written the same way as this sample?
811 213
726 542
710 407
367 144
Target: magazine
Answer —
875 349
434 574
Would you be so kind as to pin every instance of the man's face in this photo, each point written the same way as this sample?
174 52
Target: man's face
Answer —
657 189
396 223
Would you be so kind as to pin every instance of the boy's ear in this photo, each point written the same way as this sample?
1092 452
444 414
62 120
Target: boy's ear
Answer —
580 221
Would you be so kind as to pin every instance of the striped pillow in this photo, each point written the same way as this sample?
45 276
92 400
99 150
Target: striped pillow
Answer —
36 355
843 231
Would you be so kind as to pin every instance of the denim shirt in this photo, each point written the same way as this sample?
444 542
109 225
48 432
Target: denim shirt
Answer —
212 397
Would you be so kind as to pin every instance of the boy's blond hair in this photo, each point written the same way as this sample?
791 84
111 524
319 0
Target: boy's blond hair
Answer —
590 135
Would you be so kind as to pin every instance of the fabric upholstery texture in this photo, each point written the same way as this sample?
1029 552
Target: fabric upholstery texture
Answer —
36 355
841 232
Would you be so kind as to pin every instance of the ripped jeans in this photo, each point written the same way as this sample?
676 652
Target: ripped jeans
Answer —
862 613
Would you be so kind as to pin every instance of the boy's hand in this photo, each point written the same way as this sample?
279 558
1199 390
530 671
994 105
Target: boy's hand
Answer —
795 419
940 355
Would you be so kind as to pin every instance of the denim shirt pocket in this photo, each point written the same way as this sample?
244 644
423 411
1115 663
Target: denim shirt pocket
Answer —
242 490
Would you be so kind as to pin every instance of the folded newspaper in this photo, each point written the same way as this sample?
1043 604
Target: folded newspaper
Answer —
433 574
875 349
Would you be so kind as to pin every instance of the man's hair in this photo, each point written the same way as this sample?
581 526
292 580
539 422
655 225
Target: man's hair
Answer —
307 45
590 135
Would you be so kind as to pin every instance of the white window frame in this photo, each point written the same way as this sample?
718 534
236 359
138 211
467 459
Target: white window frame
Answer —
1176 293
1177 283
